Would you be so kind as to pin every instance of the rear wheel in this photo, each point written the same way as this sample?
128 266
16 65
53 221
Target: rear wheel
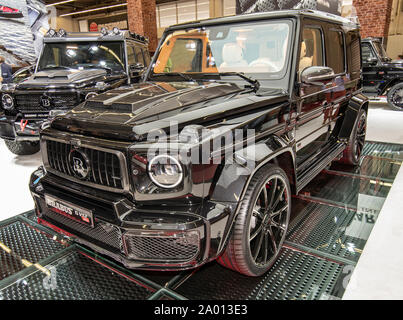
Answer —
261 225
22 148
395 97
352 153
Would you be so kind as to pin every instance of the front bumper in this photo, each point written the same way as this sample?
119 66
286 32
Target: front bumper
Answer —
23 130
154 238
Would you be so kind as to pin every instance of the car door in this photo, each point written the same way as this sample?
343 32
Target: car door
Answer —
312 124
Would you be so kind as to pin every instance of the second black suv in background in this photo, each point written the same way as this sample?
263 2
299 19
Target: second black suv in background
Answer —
200 161
71 68
381 75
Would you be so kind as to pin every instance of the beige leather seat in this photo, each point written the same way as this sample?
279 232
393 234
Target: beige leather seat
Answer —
233 56
305 61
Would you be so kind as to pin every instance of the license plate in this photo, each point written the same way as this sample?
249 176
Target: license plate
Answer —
70 210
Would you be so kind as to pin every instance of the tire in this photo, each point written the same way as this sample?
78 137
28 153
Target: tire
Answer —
242 253
352 153
395 97
22 148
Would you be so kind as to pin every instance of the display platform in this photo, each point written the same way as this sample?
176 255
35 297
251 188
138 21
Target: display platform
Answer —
331 221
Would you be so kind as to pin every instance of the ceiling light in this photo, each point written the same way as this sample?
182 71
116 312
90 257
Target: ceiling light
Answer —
57 3
91 10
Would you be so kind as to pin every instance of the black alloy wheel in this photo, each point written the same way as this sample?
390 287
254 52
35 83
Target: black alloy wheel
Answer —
260 228
352 153
395 97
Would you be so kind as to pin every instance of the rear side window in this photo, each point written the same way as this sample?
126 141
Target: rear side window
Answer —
146 55
139 55
131 55
367 52
311 48
336 57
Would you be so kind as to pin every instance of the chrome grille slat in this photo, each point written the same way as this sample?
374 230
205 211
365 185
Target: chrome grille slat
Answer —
106 168
67 150
99 168
92 167
101 173
113 173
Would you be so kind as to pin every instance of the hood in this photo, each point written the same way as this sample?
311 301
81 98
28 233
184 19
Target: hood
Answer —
131 113
62 77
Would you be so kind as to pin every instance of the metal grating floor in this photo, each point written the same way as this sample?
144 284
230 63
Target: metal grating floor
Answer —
331 221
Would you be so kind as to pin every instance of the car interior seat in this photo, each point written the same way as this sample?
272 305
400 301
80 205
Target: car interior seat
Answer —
233 56
304 61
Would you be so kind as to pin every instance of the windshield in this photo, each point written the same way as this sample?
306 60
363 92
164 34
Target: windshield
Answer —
82 55
380 50
257 49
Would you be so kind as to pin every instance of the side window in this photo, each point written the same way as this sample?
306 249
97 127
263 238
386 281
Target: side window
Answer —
367 52
131 59
185 56
139 55
336 57
147 58
311 48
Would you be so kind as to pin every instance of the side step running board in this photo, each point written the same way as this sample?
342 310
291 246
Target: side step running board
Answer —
311 172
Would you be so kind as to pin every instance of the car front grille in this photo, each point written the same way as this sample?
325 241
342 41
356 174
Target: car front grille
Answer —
179 247
102 232
105 167
31 102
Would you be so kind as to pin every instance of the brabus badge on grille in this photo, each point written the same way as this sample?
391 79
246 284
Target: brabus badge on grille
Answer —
45 101
79 163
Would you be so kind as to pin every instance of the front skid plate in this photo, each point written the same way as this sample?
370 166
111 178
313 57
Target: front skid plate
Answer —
331 221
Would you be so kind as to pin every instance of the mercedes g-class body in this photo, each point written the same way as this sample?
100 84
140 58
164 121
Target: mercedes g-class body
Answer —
71 68
199 161
381 75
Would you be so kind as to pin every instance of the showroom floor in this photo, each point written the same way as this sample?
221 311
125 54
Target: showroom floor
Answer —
326 252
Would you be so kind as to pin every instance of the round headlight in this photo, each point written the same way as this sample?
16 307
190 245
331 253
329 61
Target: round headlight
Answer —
90 95
116 30
165 171
7 101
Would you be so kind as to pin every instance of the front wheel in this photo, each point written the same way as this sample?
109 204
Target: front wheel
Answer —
352 153
395 97
261 225
22 148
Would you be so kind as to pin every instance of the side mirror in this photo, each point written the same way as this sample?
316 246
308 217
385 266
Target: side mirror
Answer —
371 61
316 75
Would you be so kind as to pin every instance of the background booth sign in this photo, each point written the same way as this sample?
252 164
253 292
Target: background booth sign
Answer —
248 6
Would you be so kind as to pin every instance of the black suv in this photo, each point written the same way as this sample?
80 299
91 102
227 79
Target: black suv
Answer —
381 75
199 161
71 68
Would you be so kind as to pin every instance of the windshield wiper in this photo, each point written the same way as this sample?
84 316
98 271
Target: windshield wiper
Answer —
184 76
55 67
254 83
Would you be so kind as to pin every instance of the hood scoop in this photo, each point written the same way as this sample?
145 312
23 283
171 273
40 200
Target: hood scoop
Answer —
69 75
151 99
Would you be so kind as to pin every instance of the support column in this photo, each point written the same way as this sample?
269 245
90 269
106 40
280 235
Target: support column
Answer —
374 17
141 16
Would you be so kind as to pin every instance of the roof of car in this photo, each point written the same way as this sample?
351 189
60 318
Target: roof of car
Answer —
320 15
98 36
370 39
